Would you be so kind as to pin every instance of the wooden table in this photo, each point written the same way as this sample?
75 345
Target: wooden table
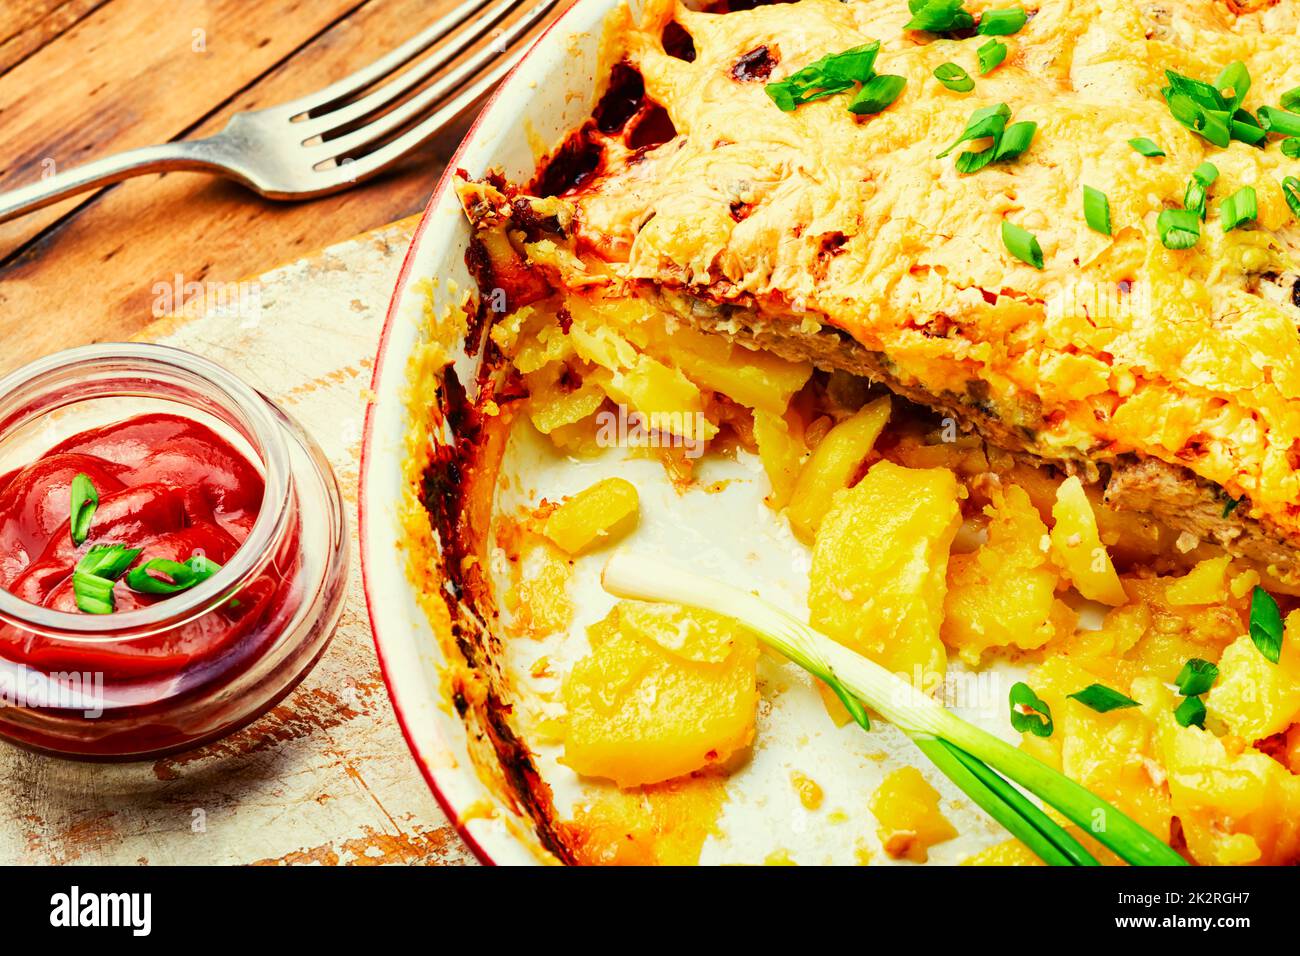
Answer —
326 777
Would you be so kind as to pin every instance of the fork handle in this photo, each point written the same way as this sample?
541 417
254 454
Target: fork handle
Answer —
187 154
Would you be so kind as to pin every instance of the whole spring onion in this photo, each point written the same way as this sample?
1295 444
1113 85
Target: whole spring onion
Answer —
976 761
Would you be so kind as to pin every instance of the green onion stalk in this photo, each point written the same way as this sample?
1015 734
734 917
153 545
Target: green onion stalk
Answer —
963 752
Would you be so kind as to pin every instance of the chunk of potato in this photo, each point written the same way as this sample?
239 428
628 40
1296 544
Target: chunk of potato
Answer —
662 825
1112 754
1103 651
1179 632
782 454
1004 594
907 809
539 601
551 405
640 713
1255 697
698 636
594 515
879 568
759 380
1207 583
1078 548
1236 805
1007 853
665 399
832 465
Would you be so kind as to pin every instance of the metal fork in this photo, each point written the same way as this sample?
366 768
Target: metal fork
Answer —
329 140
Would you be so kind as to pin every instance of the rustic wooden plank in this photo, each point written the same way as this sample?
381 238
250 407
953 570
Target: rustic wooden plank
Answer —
143 233
27 25
134 75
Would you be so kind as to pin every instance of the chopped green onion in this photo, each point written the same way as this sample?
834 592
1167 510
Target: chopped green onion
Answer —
833 73
1190 713
1201 93
1015 141
183 576
990 56
1279 121
1233 83
787 99
203 567
107 560
954 77
1239 208
876 94
1103 699
1230 506
1266 624
1001 23
1291 193
852 66
1215 111
85 499
1291 147
1029 712
140 579
1146 147
1178 228
1196 677
1213 124
1194 197
1247 129
938 16
1290 99
988 121
1096 210
94 595
971 161
918 715
1206 173
93 577
1022 244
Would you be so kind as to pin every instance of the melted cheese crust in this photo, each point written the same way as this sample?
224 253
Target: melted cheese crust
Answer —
1118 345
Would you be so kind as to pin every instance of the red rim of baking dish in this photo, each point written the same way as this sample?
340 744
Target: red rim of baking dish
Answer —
454 814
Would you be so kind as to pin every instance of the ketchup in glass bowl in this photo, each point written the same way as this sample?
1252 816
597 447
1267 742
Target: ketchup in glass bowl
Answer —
172 553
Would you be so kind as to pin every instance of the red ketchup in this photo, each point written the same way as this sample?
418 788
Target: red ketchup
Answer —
175 489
